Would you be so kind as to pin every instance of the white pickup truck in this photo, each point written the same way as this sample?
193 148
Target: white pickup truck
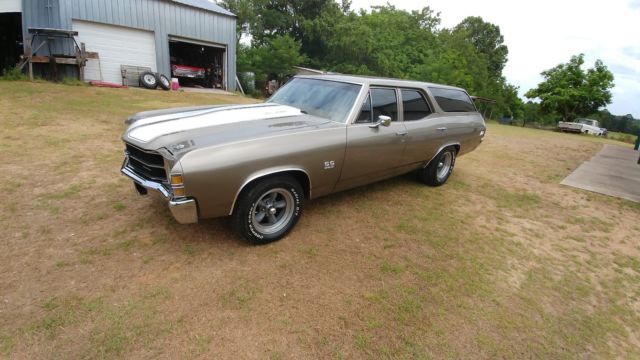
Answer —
586 126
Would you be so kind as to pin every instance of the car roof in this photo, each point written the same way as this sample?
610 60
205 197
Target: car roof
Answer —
371 80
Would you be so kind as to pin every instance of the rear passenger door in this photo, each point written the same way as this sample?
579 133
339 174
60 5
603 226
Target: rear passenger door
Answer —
426 129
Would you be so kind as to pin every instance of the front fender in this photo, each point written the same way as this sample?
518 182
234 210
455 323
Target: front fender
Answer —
216 175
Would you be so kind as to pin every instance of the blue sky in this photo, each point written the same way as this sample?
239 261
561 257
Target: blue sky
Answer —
542 34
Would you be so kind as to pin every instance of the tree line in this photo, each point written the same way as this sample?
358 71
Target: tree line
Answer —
392 42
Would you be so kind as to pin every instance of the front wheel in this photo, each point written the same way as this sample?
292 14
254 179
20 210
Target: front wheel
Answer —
440 168
268 210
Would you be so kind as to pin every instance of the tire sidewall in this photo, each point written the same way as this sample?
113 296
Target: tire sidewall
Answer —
161 79
429 174
146 84
453 163
247 229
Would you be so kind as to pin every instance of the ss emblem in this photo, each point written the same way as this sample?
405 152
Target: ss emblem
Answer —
329 165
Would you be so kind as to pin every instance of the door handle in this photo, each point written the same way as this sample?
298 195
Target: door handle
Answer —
401 133
442 129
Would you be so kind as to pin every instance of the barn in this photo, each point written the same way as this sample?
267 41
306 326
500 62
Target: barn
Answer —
192 39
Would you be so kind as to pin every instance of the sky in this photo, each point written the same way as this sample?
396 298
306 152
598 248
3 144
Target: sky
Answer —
544 33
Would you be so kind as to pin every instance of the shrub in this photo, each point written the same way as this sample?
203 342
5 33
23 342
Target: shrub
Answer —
72 81
13 74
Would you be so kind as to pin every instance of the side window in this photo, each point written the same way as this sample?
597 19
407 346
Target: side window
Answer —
365 113
451 100
384 102
414 105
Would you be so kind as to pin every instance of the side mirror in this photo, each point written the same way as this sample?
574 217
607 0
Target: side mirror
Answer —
382 120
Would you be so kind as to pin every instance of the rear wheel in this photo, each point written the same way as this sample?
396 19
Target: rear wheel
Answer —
268 210
440 168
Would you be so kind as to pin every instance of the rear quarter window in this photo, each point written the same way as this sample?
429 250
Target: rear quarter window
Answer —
451 100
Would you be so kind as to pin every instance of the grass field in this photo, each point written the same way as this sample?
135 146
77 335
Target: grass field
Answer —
501 262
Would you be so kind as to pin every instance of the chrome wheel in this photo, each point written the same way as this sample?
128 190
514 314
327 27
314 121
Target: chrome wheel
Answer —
150 79
444 165
273 211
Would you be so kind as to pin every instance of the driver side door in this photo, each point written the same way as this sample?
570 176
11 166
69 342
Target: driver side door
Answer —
374 152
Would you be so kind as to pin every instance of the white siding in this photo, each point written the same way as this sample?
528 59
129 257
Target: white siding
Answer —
116 45
7 6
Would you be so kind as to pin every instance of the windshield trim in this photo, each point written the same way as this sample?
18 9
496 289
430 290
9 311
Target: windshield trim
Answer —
350 114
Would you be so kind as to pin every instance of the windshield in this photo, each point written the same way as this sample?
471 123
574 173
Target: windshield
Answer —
326 99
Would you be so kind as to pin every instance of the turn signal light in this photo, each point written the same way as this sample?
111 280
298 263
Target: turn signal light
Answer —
178 192
176 179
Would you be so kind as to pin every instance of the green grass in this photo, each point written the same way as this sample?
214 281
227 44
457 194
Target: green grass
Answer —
614 138
119 206
389 268
240 296
13 74
189 250
622 137
6 344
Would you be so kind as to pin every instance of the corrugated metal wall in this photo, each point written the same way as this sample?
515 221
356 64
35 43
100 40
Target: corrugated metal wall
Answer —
163 17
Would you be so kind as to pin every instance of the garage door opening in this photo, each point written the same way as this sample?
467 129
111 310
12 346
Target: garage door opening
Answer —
10 40
197 64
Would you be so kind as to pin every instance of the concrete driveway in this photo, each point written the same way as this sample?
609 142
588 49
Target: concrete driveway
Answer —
614 171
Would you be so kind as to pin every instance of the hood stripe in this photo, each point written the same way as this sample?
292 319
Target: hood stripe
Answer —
150 129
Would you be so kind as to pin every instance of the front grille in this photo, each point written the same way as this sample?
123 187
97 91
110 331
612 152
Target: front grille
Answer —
147 164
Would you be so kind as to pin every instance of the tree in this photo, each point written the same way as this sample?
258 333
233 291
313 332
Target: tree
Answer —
487 40
277 57
244 11
625 124
571 92
386 41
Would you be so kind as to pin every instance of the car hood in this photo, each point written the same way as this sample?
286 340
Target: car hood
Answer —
184 129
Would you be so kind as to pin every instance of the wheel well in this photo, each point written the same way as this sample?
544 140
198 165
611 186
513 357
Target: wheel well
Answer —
456 146
303 179
299 175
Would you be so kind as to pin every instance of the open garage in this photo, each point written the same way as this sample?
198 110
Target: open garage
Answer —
197 63
145 35
10 33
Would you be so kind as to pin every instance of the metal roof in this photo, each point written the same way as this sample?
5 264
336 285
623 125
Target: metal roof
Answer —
207 5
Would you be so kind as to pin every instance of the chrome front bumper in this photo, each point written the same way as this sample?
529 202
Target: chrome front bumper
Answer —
185 211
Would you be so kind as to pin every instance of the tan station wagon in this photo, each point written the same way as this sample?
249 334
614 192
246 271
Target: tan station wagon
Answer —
317 135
